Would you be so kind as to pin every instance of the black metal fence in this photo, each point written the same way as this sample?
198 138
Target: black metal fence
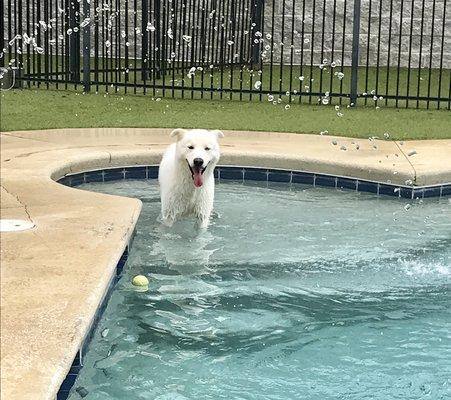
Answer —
373 52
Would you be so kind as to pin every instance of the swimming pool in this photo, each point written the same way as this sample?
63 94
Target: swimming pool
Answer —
293 292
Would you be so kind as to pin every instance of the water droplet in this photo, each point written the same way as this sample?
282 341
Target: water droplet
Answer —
407 207
306 40
324 133
270 97
257 85
334 142
85 22
386 135
340 75
339 114
268 36
325 100
343 148
40 50
287 107
69 31
411 153
337 108
409 182
301 78
170 34
230 42
186 38
333 64
107 43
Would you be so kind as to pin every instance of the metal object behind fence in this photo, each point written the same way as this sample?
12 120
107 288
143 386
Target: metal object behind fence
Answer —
371 52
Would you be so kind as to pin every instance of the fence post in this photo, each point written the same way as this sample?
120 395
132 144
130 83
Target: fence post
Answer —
74 41
355 52
145 42
87 47
256 18
2 33
157 42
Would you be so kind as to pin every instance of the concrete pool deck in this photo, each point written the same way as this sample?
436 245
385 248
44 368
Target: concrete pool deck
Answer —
54 276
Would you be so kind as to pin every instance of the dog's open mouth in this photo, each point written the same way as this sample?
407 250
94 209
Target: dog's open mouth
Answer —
197 173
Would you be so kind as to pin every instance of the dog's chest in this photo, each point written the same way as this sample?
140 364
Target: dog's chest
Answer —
187 200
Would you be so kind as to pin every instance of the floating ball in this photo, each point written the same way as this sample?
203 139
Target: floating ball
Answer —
140 280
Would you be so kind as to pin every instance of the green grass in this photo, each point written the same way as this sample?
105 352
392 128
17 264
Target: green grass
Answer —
44 109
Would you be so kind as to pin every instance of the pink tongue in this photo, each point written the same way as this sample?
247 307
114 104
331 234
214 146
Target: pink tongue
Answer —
198 179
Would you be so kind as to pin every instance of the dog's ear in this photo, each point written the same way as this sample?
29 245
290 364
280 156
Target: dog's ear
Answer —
179 133
218 133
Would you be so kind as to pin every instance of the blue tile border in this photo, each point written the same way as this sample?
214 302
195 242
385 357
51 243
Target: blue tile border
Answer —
77 363
243 174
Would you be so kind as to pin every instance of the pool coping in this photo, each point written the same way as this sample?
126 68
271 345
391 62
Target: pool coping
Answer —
55 276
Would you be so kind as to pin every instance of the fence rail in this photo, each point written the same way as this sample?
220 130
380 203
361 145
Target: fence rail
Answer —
352 52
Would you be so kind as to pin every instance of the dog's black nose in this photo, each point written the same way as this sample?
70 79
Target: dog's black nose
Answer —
198 162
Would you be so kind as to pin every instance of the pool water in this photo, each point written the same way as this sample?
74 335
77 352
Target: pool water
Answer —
292 293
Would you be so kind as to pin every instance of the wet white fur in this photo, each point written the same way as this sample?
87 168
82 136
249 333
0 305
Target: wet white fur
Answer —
179 197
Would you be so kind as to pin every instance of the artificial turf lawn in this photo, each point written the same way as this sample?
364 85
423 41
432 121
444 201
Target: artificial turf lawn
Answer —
43 109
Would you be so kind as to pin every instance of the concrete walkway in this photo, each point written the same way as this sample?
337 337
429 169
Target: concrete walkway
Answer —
54 276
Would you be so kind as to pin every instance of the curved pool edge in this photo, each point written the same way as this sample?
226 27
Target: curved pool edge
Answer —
54 277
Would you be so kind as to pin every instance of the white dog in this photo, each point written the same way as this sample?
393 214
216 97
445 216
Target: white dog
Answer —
186 175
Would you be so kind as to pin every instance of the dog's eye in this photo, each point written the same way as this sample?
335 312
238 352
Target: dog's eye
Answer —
191 147
207 148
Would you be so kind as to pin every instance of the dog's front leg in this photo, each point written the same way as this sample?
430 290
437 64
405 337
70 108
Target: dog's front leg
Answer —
167 221
203 221
204 211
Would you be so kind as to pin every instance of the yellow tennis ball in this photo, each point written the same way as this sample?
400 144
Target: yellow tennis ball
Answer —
140 280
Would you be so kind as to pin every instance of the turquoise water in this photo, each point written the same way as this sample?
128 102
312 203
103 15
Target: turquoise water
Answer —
292 293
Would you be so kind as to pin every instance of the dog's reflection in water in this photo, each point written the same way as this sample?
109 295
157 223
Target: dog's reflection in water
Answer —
185 248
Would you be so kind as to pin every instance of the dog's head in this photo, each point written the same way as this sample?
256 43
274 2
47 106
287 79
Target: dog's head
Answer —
199 149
